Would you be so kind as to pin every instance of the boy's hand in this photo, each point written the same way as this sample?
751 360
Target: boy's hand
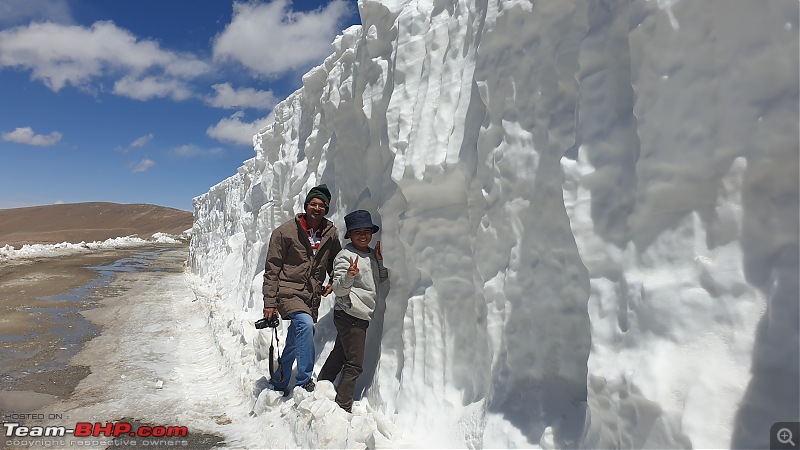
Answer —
378 254
353 269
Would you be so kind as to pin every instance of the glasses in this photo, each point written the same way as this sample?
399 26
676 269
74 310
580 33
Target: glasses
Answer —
317 205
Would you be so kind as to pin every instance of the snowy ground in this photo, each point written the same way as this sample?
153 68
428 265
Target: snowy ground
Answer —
158 361
9 252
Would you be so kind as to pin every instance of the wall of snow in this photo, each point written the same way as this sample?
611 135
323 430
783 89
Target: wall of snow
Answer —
589 210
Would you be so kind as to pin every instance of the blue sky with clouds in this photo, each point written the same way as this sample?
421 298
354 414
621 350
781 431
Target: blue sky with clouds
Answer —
145 101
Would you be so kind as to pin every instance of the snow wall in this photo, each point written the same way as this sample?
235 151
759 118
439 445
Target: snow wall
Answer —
589 210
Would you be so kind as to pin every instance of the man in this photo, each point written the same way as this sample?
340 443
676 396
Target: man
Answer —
358 270
300 254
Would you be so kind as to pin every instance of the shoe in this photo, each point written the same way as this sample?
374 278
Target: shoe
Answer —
309 386
284 390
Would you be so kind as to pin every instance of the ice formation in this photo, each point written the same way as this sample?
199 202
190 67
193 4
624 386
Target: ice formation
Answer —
590 212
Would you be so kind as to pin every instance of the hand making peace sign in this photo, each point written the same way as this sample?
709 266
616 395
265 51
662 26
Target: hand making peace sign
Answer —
353 269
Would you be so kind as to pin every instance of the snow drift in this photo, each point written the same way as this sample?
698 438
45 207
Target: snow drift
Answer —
589 210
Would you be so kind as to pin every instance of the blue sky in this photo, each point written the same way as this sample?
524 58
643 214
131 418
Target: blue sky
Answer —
146 101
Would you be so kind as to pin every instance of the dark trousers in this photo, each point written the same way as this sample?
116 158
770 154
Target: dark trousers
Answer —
347 356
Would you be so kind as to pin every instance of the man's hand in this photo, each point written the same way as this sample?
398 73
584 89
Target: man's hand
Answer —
328 290
353 269
378 254
269 312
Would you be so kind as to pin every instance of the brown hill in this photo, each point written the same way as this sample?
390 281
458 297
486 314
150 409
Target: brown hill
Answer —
88 222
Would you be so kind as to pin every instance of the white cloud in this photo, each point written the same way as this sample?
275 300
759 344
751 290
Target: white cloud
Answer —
152 87
268 38
143 165
61 55
191 150
228 97
22 11
27 136
233 130
142 141
271 39
138 142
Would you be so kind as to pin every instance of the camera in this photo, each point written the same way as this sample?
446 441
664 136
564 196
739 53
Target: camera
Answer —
272 322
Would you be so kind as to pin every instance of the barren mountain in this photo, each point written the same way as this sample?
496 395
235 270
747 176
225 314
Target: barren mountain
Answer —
96 221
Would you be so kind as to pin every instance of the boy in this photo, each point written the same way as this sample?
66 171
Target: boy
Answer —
357 271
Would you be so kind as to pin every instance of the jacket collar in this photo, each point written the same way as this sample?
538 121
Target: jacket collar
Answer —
325 226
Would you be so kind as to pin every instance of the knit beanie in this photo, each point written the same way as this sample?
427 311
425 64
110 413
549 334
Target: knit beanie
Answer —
321 192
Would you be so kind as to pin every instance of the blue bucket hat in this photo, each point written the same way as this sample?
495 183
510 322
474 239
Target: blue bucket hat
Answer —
359 219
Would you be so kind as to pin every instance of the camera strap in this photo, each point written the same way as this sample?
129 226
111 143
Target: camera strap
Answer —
279 376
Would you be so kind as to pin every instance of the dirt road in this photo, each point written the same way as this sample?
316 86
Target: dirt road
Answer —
40 321
52 309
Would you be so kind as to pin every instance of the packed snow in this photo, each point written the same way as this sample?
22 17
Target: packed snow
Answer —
589 210
8 252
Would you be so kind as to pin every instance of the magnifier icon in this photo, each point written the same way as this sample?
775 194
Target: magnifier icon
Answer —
785 436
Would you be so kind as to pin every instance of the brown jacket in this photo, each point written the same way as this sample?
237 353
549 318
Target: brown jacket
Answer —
293 274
